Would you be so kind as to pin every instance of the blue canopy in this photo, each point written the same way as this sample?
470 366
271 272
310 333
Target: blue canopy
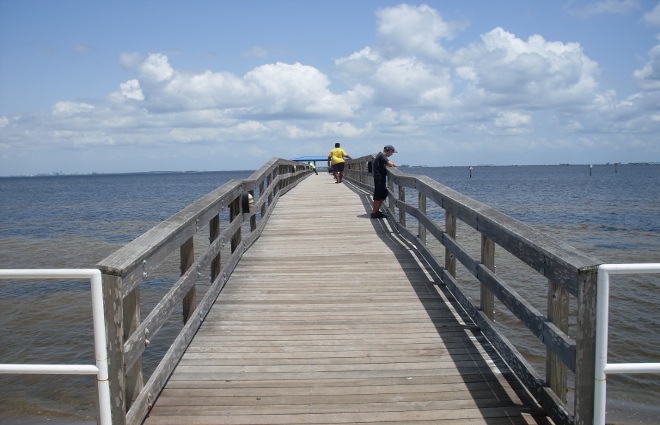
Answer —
311 158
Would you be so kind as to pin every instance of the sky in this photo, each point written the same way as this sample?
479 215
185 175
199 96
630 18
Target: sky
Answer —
132 86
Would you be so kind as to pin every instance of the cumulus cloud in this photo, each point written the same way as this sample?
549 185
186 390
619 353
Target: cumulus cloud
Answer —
649 76
499 71
267 92
502 68
156 68
413 30
131 90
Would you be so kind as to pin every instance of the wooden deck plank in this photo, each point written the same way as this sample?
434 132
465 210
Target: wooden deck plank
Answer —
330 319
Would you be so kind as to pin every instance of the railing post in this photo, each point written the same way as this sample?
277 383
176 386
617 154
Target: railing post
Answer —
235 211
421 230
253 218
487 300
271 178
270 193
113 312
390 187
214 233
585 367
187 254
261 194
450 227
556 372
131 313
402 212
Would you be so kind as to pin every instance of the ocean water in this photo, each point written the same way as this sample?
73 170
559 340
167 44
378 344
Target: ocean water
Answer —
611 214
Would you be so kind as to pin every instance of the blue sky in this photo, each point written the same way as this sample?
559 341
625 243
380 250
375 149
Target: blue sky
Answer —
123 86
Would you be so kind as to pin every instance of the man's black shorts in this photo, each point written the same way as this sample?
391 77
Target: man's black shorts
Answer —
380 190
338 166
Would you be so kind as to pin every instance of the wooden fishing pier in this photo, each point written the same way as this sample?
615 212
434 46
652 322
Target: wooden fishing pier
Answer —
314 313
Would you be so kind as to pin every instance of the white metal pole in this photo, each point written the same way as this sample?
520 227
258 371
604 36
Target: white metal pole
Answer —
100 344
640 268
602 309
602 312
632 368
100 347
49 369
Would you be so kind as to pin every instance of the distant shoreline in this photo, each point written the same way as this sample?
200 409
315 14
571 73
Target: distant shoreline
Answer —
60 174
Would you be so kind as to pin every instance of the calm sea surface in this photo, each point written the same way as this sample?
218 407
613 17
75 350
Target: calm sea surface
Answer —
610 214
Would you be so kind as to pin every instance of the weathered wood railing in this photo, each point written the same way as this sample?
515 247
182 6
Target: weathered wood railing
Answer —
126 269
568 273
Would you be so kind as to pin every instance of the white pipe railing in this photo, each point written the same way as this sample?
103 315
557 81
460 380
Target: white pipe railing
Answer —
100 369
602 313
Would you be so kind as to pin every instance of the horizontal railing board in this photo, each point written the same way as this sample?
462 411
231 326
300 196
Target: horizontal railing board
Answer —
554 259
131 255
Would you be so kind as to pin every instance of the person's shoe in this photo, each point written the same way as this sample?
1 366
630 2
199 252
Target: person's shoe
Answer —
378 215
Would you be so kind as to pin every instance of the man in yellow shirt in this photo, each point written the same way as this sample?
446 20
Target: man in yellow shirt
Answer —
336 158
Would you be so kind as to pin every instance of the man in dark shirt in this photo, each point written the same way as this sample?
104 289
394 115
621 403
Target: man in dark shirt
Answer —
380 174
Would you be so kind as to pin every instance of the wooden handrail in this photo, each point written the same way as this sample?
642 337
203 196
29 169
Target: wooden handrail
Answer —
569 273
126 269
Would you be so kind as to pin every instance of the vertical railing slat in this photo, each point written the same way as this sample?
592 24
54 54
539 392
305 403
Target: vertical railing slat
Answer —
235 211
450 228
556 371
187 254
214 233
131 313
421 230
402 212
487 299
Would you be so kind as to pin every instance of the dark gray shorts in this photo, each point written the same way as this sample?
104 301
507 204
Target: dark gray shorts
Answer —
380 189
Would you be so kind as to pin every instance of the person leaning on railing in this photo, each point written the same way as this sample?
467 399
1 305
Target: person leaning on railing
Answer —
380 164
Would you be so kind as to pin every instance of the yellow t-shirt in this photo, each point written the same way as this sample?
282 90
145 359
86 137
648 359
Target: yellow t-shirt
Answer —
337 155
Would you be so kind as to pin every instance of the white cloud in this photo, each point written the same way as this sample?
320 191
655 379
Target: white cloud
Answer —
540 74
295 89
413 30
65 109
512 119
653 17
649 76
156 68
403 80
614 7
131 90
